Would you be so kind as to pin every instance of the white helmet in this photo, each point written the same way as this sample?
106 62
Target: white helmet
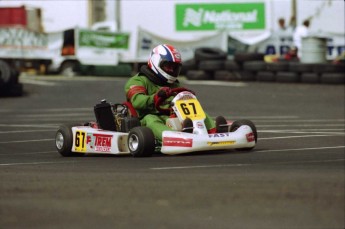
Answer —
165 62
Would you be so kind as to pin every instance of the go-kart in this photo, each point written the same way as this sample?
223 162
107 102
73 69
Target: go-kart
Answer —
118 131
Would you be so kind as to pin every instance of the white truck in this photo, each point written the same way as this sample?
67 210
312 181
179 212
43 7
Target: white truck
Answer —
77 47
60 52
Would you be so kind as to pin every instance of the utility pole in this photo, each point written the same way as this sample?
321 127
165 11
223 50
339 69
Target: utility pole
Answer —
96 11
293 21
118 14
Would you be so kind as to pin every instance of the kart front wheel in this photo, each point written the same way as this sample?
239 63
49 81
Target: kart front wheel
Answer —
238 123
64 140
141 142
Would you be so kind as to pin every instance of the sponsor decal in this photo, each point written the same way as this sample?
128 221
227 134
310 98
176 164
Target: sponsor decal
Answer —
215 16
250 137
90 140
218 135
99 142
100 39
178 142
221 143
200 125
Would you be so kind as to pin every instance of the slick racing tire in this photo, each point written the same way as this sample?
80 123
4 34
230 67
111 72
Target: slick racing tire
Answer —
64 140
141 142
238 123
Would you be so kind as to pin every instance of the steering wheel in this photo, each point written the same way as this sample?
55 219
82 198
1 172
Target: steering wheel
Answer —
174 92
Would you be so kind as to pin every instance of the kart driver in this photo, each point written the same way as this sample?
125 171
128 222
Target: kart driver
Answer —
155 82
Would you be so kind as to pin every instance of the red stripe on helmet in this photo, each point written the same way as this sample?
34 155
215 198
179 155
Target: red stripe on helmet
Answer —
176 56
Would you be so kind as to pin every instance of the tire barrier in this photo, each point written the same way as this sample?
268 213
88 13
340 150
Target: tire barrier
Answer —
206 53
333 78
227 76
198 75
310 77
5 73
9 85
211 64
265 76
287 77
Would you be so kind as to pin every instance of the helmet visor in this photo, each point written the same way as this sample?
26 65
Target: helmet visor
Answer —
171 68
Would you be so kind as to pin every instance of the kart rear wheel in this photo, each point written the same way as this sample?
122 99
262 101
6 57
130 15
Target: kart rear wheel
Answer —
64 140
141 142
238 123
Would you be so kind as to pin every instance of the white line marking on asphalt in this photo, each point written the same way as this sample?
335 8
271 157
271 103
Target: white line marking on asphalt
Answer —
32 125
10 154
292 130
23 141
300 149
239 165
265 118
305 120
36 163
49 110
303 136
54 115
215 83
301 132
58 78
36 82
299 125
199 166
24 131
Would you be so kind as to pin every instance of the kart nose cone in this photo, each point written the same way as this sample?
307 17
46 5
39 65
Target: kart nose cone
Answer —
59 140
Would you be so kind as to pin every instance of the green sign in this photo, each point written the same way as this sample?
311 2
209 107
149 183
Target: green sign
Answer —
234 16
96 39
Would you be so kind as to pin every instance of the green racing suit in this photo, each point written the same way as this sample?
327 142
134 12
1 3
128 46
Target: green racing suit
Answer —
140 91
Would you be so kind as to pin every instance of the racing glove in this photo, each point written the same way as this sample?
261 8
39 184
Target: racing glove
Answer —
161 95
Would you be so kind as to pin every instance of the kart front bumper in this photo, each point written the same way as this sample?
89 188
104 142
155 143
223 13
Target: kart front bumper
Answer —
180 142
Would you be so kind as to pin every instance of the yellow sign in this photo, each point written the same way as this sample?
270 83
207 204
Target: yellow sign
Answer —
190 108
80 141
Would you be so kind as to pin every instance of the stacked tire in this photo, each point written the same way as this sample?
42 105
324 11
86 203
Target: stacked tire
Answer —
9 85
212 64
296 72
205 63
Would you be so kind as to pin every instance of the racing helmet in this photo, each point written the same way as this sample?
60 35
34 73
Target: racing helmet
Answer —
165 62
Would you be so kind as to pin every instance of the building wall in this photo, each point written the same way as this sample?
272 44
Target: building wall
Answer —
56 15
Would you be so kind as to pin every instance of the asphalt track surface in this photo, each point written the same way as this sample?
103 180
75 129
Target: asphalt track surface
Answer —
294 178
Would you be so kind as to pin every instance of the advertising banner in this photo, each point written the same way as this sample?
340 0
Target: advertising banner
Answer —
97 39
215 16
147 41
100 48
23 43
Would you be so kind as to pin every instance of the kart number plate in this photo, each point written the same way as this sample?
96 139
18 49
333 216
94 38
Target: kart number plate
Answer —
190 108
80 141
